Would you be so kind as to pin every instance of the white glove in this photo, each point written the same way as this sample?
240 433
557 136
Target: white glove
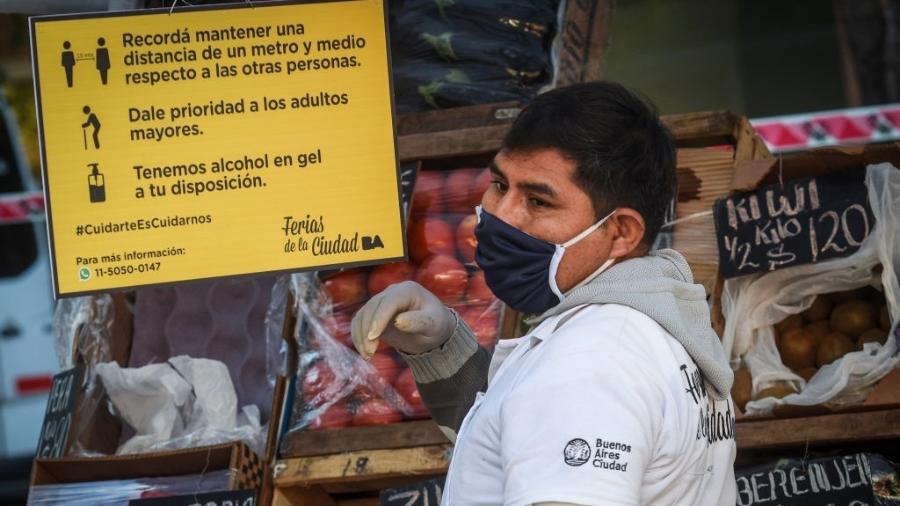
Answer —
405 316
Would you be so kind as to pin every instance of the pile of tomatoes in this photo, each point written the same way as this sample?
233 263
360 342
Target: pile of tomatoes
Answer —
441 241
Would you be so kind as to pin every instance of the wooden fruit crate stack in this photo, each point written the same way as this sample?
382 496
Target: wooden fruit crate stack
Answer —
795 430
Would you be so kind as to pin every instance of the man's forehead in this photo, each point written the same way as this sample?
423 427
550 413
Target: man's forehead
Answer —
547 166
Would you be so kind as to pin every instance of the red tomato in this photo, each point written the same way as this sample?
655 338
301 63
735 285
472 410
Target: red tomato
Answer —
406 387
443 276
480 185
362 393
465 238
376 412
386 366
347 287
317 379
386 275
332 418
430 236
484 320
477 290
457 190
338 326
428 194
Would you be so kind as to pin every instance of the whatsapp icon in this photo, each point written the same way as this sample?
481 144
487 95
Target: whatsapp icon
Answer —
84 274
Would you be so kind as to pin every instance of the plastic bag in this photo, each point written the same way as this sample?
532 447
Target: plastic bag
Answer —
465 52
276 346
86 321
223 320
336 386
182 403
120 492
753 304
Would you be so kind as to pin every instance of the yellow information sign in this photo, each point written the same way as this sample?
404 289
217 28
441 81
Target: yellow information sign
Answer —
216 141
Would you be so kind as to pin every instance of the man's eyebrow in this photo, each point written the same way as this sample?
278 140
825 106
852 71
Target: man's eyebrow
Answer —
539 188
496 170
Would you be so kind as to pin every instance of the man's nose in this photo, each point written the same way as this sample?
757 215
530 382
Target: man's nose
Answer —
511 209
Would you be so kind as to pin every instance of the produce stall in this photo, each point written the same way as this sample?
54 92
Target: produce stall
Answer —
252 387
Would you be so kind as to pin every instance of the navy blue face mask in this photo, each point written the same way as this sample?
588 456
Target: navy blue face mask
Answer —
521 269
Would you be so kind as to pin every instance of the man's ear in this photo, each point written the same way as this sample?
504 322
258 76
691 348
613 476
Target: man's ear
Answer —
627 228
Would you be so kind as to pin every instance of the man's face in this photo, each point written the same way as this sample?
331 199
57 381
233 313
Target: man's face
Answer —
536 193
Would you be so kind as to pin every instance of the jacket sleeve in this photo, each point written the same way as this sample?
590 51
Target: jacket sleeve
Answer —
448 377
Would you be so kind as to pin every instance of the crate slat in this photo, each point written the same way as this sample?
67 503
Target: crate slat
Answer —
374 437
832 429
362 466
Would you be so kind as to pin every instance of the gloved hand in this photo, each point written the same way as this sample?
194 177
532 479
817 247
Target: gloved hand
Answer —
405 316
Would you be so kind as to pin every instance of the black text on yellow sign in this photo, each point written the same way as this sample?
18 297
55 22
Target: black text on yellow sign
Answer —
216 141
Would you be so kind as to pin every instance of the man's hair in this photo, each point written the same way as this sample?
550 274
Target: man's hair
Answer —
624 156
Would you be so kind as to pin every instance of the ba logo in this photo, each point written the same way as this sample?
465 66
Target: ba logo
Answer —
577 452
371 242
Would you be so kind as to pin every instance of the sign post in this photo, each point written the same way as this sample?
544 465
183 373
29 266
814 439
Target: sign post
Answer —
216 141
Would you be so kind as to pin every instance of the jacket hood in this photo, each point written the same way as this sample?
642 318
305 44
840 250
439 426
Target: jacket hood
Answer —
661 286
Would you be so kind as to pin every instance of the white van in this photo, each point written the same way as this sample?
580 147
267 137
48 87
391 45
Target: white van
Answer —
28 357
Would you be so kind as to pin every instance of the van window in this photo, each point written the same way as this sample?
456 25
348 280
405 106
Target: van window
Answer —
10 172
18 244
18 248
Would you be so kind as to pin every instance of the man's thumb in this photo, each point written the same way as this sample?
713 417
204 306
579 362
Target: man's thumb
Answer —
416 322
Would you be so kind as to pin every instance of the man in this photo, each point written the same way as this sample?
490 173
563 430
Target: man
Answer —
68 62
619 394
102 59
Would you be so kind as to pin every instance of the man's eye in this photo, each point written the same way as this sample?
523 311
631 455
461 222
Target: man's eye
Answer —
537 202
500 186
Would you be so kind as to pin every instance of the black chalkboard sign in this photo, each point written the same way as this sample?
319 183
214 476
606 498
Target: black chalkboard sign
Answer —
408 175
423 493
58 417
227 498
802 221
849 480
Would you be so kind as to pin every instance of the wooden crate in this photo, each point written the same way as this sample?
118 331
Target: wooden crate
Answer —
709 147
105 428
355 477
762 440
753 174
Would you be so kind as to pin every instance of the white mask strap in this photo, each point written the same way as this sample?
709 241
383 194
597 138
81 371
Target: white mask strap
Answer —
554 267
560 250
588 230
593 275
